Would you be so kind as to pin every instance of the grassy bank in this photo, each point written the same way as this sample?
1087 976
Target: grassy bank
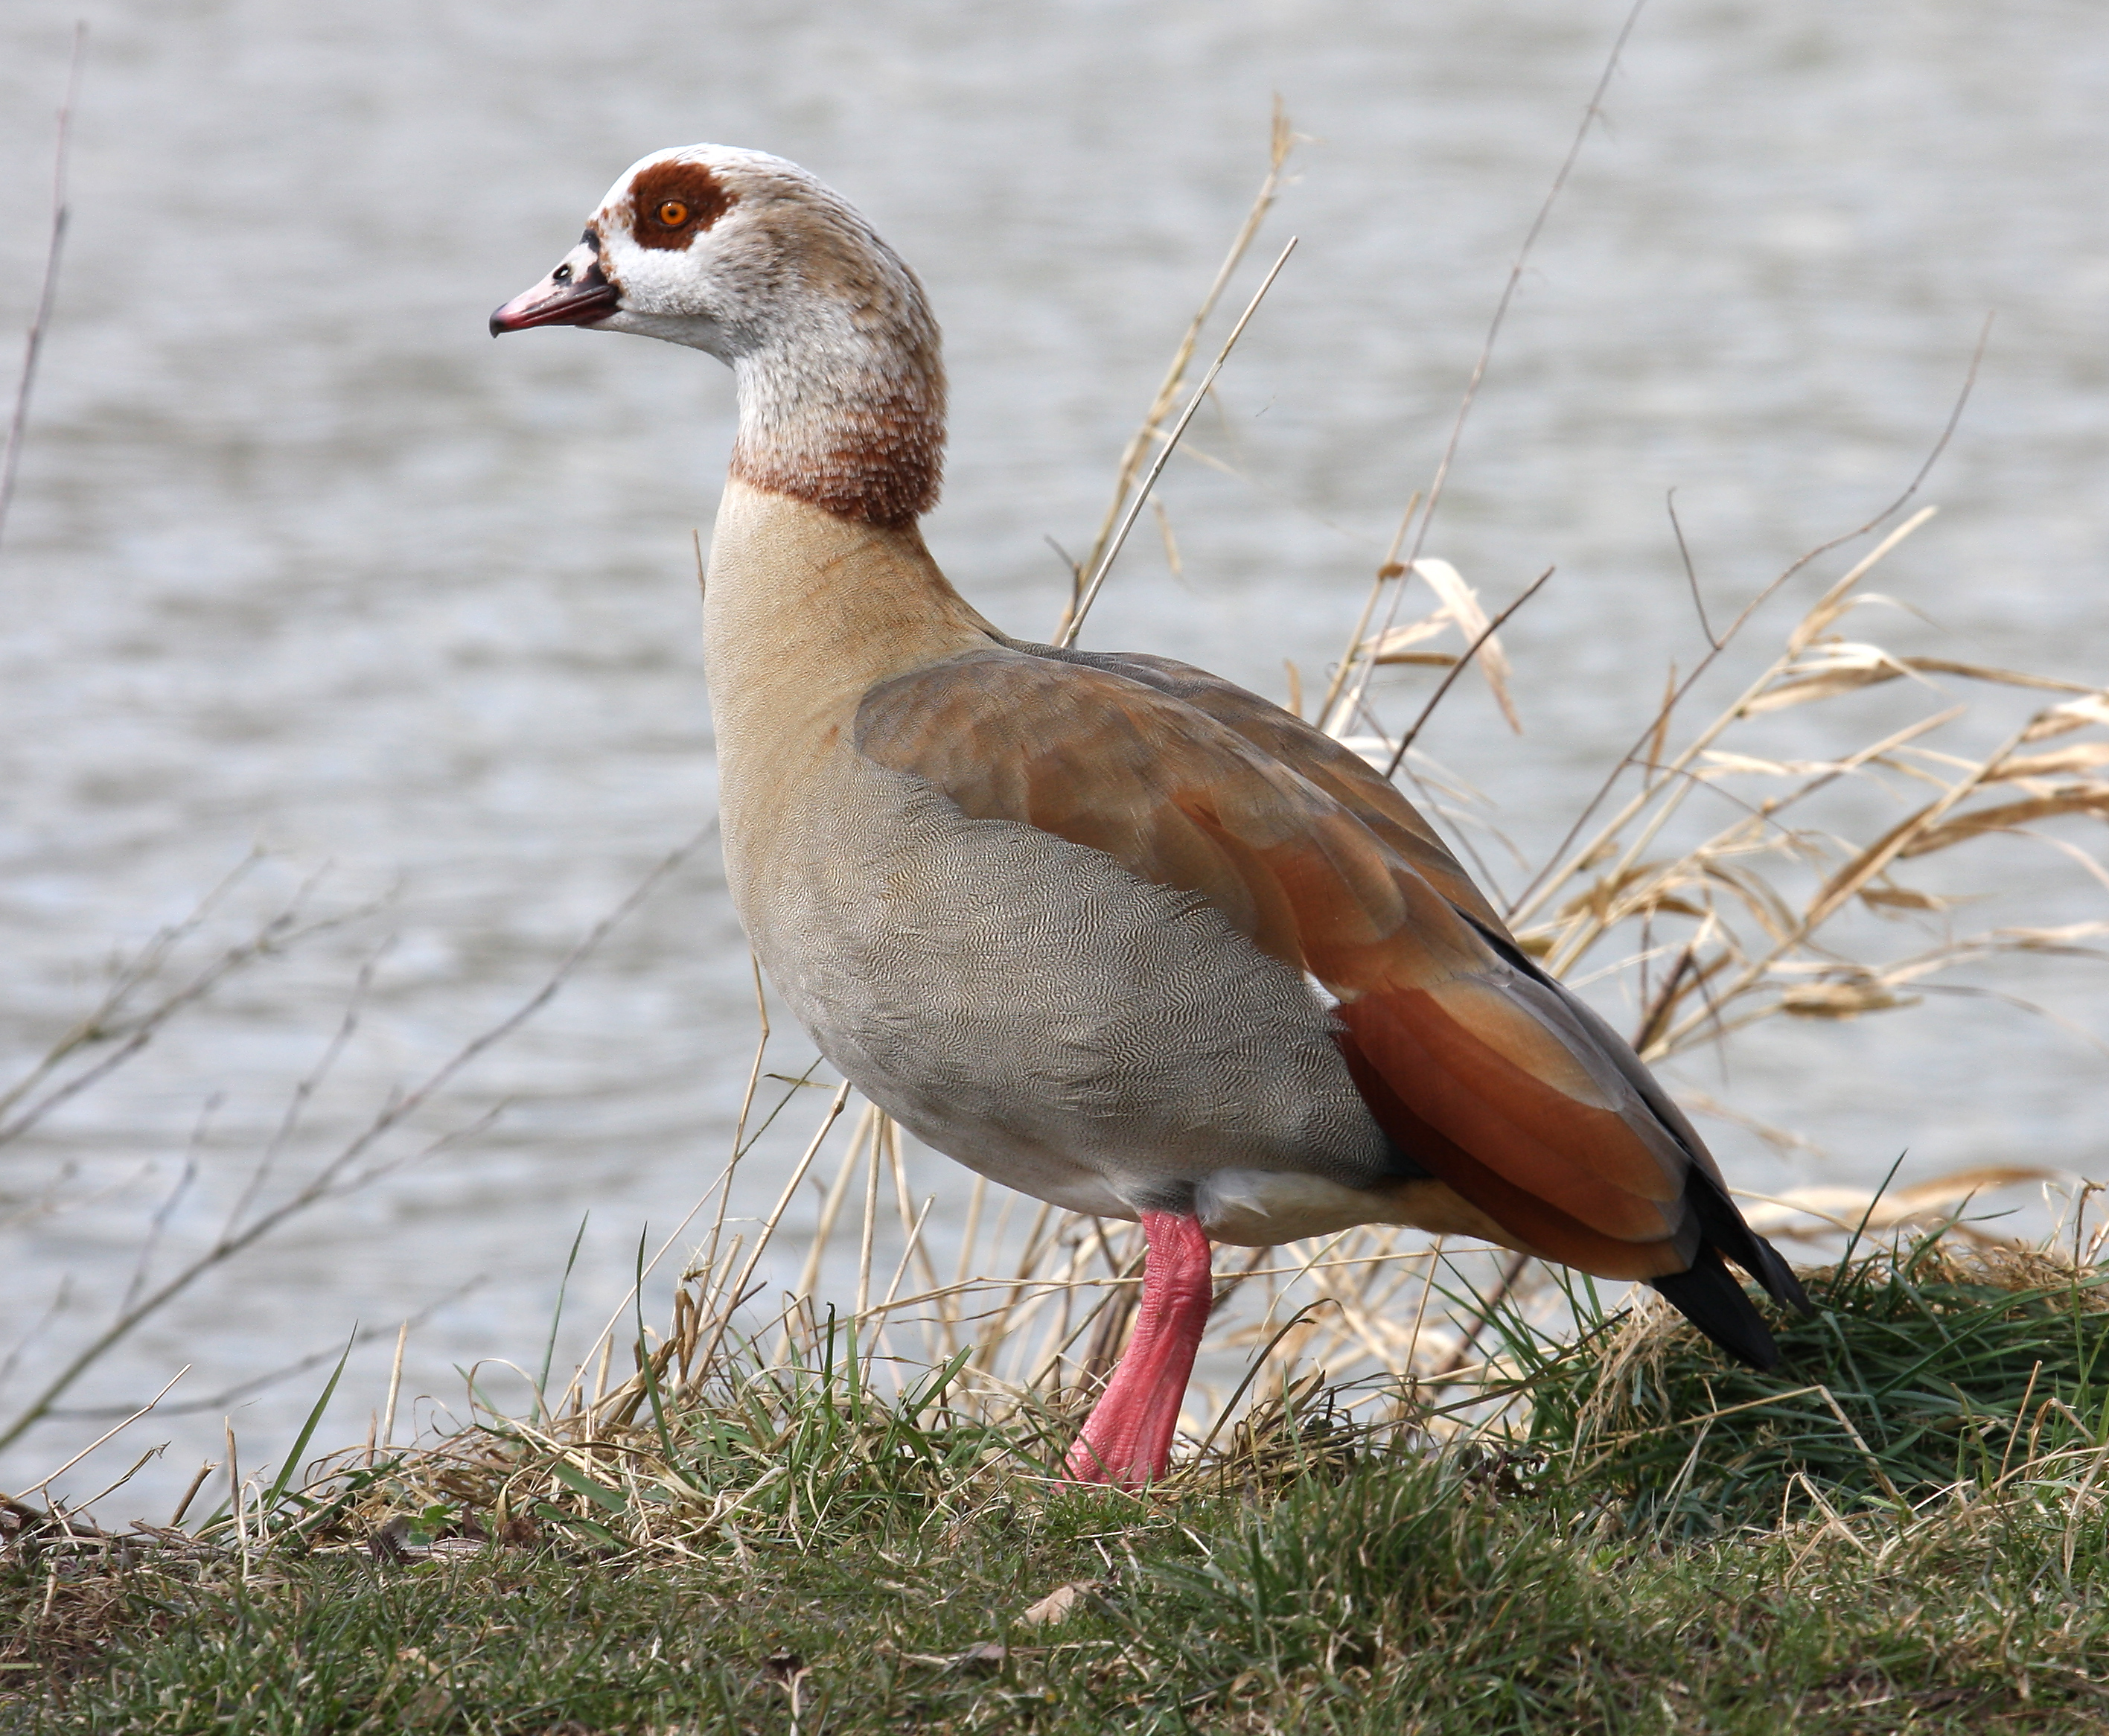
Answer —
1408 1594
1903 1530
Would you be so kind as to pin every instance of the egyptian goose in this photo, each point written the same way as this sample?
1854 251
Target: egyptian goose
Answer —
1104 928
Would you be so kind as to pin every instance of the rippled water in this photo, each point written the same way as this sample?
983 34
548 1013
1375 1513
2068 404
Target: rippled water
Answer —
301 560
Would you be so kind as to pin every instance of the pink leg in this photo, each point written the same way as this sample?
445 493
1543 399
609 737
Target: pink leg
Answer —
1127 1439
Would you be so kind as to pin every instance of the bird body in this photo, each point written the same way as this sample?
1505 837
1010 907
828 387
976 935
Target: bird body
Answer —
1021 999
1105 928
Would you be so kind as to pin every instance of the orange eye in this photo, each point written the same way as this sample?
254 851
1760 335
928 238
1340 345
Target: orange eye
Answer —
673 214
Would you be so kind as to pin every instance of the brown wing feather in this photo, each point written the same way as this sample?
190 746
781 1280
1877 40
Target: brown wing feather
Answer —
1343 775
1585 1161
1483 1074
1533 1225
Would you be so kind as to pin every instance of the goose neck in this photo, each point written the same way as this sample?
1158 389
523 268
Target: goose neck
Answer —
845 418
798 598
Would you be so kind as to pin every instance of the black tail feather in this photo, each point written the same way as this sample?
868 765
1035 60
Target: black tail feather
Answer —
1776 1276
1721 1227
1708 1296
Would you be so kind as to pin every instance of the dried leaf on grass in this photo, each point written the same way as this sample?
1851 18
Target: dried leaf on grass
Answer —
1057 1604
2075 714
1719 764
986 1657
2006 816
2081 757
1834 666
1461 609
1829 669
1889 896
1811 1212
1840 1000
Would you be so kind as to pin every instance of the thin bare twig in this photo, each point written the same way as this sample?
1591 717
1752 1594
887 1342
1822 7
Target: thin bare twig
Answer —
1562 861
1463 663
109 1021
40 323
107 1435
342 1174
1691 572
1590 114
222 1399
1280 141
1090 595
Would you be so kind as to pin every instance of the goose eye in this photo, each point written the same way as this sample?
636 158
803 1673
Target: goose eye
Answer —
673 214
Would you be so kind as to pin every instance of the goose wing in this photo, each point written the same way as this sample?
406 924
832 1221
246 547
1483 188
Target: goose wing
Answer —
1494 1077
1287 739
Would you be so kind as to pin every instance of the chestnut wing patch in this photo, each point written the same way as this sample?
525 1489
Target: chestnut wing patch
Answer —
1489 1076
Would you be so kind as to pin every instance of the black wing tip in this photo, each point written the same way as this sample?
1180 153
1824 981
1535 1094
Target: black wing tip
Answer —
1723 1232
1779 1278
1708 1296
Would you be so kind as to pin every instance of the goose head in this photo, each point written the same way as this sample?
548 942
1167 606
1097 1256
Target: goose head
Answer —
749 258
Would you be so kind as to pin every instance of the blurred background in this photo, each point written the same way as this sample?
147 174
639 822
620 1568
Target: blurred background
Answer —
302 563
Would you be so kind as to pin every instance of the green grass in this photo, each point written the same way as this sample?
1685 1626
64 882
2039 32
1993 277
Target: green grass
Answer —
1925 1367
789 1550
1410 1594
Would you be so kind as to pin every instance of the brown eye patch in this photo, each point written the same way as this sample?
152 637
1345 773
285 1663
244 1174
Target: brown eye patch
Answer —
671 203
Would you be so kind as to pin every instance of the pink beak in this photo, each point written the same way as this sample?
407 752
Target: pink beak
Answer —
569 296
